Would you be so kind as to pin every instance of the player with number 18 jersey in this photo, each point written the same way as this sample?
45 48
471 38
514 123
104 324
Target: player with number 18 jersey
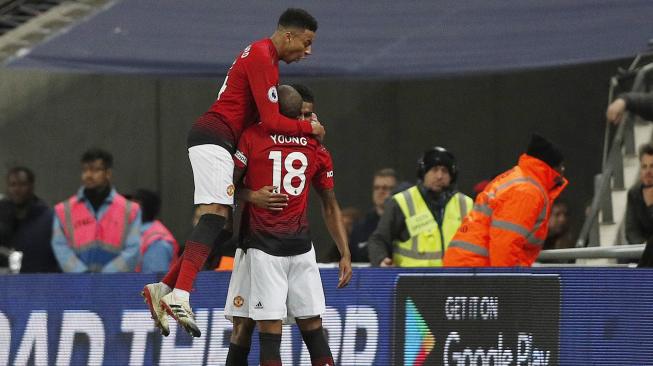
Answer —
248 95
290 164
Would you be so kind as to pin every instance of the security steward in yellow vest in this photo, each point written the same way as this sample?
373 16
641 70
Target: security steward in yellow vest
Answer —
418 223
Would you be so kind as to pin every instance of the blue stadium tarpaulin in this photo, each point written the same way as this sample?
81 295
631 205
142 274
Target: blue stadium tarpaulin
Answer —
382 38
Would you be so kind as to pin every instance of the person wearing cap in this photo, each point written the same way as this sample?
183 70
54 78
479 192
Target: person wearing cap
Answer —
509 222
418 223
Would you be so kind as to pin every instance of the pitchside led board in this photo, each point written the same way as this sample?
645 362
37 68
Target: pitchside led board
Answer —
477 319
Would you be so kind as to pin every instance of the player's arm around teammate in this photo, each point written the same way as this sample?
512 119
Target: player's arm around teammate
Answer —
265 197
247 96
283 285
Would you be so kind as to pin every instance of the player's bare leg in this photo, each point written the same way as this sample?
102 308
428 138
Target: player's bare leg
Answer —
241 339
316 341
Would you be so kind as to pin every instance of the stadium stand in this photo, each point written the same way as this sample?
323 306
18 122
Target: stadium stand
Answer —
24 23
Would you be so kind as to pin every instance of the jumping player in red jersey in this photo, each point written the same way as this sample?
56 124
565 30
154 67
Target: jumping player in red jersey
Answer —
278 277
248 95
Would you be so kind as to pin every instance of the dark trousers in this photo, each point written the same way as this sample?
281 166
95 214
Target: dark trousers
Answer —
647 256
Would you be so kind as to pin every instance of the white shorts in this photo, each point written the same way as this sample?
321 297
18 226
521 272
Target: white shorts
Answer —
238 293
282 288
213 173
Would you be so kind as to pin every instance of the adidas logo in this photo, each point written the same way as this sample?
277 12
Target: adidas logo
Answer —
258 306
178 310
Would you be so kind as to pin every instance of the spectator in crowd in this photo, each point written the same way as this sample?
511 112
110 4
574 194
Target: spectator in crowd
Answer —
639 223
418 223
158 246
383 183
559 235
640 104
639 206
26 224
510 219
401 186
349 216
97 229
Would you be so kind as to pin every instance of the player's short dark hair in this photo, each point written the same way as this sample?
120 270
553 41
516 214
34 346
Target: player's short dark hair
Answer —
18 169
305 92
290 101
298 18
150 203
94 154
646 149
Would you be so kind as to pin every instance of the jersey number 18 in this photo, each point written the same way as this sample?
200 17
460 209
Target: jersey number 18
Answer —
291 171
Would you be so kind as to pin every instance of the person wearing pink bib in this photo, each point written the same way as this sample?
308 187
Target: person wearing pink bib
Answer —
96 229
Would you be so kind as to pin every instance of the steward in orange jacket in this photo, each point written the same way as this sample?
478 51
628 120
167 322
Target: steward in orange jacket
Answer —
509 222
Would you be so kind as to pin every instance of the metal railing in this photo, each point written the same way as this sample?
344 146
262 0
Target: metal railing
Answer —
14 13
612 174
615 252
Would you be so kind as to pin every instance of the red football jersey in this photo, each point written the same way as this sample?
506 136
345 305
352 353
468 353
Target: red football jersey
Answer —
288 163
249 95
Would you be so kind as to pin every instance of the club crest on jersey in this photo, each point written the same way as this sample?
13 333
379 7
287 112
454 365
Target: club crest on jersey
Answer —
238 301
230 190
272 94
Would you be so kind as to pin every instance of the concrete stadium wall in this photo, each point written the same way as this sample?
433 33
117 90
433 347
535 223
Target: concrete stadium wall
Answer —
48 119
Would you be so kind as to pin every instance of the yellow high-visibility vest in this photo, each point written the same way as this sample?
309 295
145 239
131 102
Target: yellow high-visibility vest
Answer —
424 247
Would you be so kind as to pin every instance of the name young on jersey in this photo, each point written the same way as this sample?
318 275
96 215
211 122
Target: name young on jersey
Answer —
282 139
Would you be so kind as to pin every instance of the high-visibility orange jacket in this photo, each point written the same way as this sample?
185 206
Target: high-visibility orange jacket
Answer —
510 219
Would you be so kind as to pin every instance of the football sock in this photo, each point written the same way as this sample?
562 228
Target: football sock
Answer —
237 355
270 349
198 247
318 347
171 277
